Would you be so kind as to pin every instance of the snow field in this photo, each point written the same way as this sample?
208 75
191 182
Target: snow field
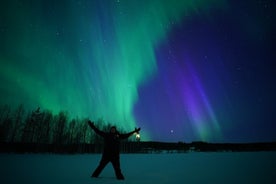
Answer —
195 167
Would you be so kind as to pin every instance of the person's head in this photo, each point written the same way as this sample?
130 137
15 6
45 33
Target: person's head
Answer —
113 130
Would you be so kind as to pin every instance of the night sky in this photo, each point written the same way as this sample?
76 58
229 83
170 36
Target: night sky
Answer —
182 70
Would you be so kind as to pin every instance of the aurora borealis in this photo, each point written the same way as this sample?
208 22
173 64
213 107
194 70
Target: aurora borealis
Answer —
181 70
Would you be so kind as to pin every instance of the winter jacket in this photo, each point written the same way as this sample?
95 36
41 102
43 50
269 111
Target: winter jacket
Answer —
111 141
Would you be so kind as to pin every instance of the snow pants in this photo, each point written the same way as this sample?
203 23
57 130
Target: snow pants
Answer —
115 163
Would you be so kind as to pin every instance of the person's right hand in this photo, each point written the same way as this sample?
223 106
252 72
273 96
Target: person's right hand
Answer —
91 124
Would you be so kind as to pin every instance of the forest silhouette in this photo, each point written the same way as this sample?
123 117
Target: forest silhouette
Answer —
41 131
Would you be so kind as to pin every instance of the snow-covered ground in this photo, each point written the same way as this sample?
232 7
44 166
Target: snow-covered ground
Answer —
221 167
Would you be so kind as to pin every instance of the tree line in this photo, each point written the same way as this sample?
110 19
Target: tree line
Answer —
42 131
18 126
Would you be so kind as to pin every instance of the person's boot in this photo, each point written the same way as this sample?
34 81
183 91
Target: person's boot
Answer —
94 175
120 176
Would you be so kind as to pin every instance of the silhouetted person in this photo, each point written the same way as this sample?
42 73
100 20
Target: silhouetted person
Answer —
111 150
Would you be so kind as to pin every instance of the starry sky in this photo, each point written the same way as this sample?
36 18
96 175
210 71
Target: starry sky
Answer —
189 70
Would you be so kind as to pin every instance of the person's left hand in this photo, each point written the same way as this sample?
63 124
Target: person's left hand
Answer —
137 130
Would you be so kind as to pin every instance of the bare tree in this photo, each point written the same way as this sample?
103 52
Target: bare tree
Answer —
27 130
59 128
31 129
5 123
45 127
17 123
4 110
72 131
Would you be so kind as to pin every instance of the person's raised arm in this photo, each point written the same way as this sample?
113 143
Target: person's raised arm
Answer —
99 132
125 136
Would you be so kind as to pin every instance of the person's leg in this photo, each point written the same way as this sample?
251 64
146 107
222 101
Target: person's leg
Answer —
101 166
116 165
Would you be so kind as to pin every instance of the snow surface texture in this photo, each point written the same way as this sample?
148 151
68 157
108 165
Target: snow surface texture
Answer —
221 167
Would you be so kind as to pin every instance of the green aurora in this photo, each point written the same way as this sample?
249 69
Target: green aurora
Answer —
86 57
